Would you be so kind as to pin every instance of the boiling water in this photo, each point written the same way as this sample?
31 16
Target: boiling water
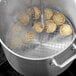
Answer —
43 45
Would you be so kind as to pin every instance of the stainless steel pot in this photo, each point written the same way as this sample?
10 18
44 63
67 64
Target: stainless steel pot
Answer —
44 66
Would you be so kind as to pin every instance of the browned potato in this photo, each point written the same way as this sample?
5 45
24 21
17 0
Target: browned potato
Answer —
37 27
37 12
50 26
29 36
59 18
66 30
48 13
24 19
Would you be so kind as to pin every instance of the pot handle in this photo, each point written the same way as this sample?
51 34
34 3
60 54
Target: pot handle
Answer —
67 61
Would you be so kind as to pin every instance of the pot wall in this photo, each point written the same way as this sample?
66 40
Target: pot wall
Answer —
37 68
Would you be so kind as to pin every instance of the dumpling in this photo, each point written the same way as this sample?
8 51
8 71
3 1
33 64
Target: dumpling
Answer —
48 13
24 19
15 36
50 26
15 28
37 12
66 30
30 11
15 43
29 36
37 27
59 18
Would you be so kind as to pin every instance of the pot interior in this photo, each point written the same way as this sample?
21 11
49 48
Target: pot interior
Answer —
10 9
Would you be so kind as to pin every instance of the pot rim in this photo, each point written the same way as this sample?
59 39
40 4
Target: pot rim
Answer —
28 58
